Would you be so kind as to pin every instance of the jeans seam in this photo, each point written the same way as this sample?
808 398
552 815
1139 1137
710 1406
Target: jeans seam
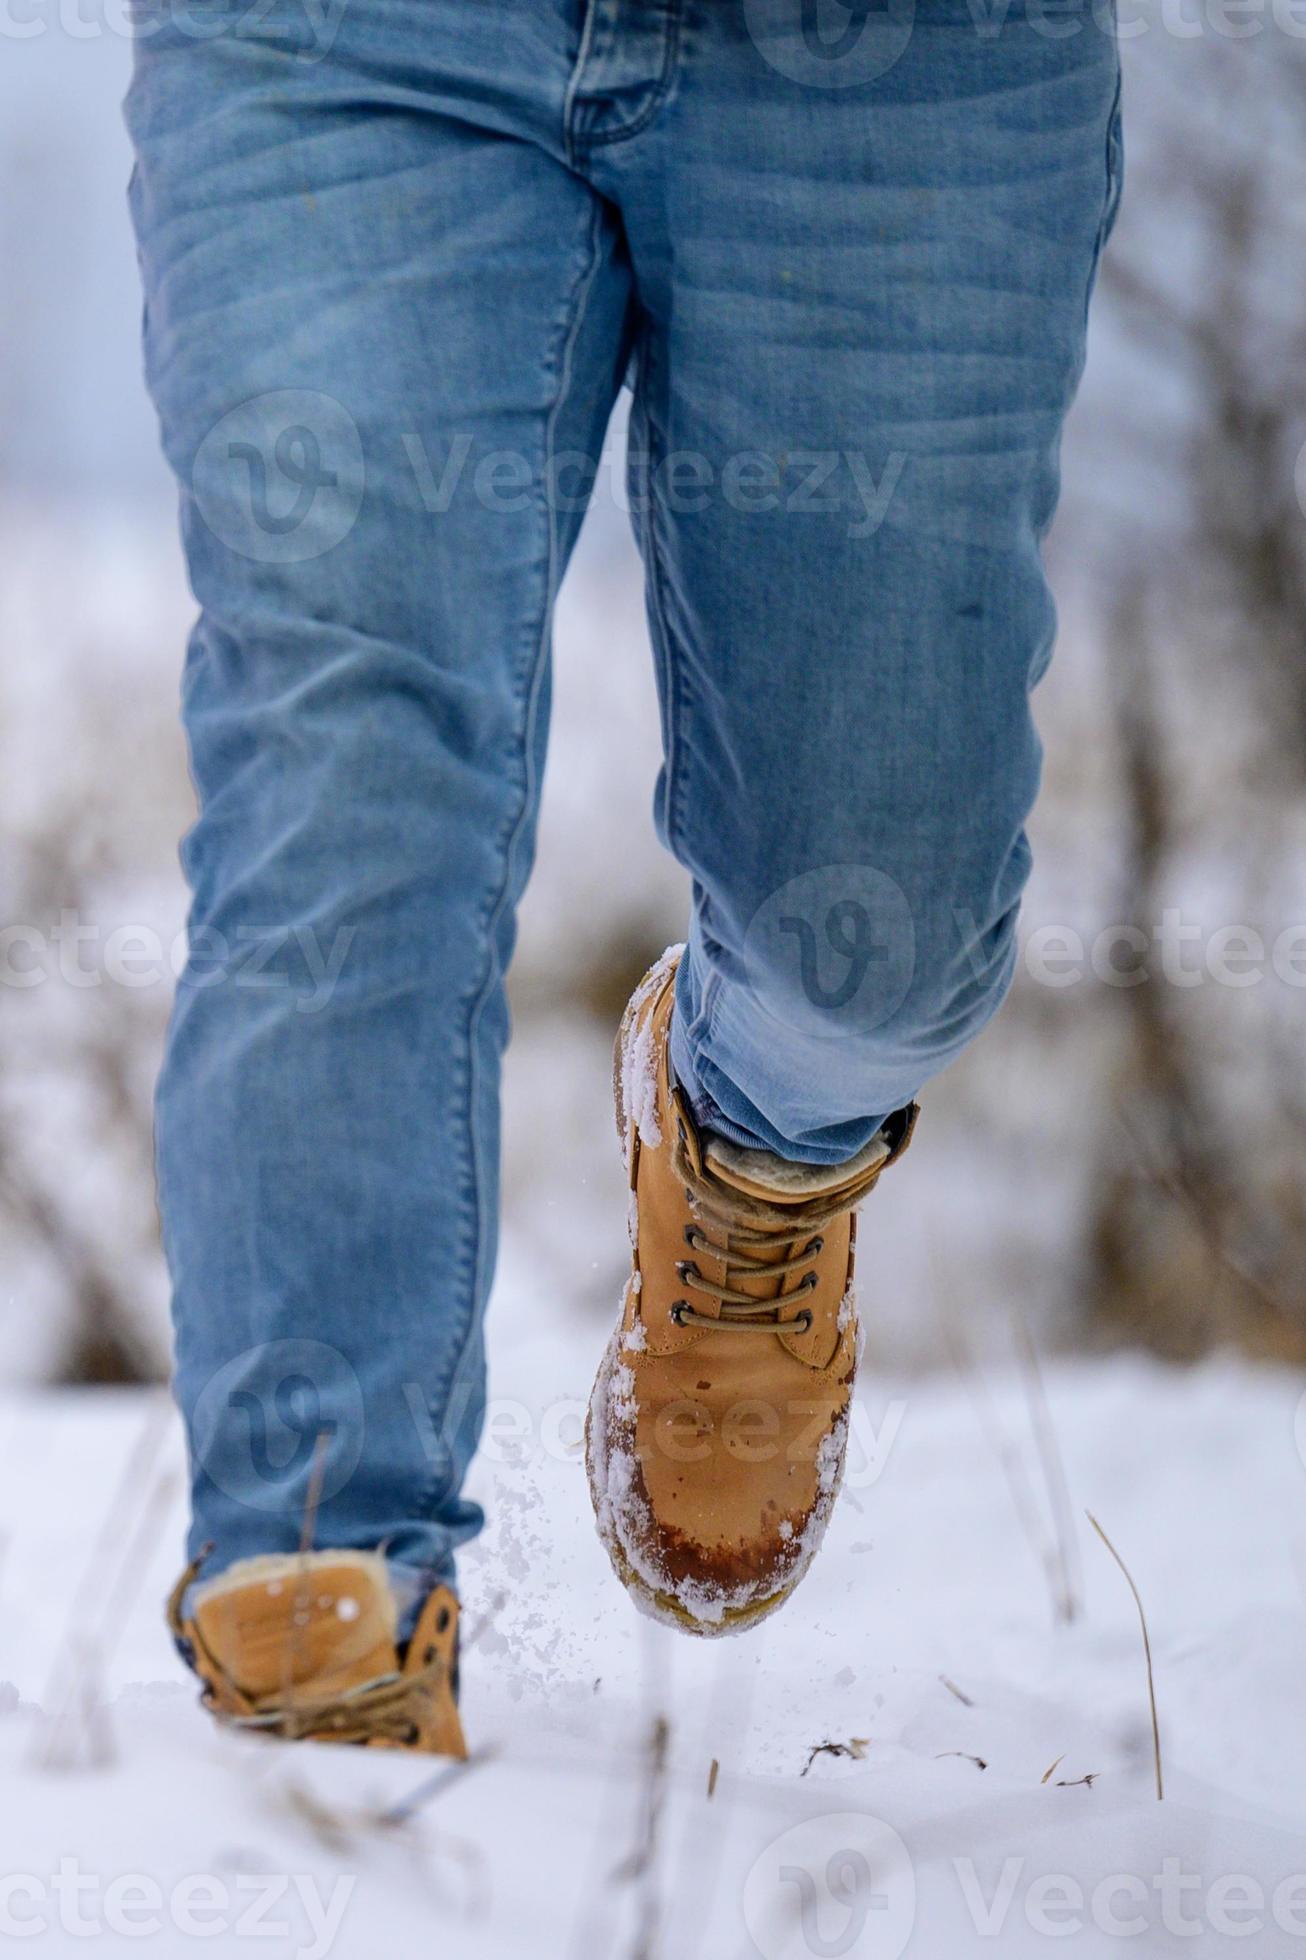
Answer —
569 134
664 644
1114 170
1112 182
528 698
660 93
705 1025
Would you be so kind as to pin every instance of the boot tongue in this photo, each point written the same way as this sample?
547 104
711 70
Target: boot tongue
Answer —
325 1622
773 1180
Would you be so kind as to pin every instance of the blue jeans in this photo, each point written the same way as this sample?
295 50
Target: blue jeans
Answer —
399 256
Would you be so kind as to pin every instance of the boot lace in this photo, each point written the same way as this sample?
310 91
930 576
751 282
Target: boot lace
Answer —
741 1233
742 1312
390 1709
742 1251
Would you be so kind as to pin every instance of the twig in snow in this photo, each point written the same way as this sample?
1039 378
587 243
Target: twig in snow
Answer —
1054 1474
1042 1544
293 1651
1147 1653
313 1496
713 1771
1047 1774
345 1832
953 1689
593 1930
856 1747
432 1786
697 1870
1075 1782
965 1755
127 1583
640 1867
134 1479
486 1621
77 1730
333 1830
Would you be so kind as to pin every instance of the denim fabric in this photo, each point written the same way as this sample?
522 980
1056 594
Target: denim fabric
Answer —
398 257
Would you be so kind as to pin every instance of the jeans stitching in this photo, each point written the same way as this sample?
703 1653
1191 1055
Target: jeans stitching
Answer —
660 94
663 638
571 141
1113 177
1114 159
704 1028
528 700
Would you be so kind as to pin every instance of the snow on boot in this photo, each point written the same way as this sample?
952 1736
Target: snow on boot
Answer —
304 1646
718 1424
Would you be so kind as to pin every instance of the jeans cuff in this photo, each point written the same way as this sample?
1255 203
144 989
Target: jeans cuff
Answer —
706 1089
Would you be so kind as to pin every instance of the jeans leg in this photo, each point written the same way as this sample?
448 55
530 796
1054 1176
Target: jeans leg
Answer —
864 294
378 303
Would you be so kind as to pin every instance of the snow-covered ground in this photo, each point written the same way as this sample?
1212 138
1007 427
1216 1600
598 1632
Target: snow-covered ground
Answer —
989 1788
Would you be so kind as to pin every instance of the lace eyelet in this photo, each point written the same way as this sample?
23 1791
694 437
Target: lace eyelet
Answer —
679 1308
817 1244
687 1270
690 1236
806 1319
810 1281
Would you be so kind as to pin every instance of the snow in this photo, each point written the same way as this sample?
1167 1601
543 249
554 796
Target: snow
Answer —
924 1636
639 1057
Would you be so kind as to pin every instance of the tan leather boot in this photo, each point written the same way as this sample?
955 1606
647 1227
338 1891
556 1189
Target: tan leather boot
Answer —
304 1647
718 1423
